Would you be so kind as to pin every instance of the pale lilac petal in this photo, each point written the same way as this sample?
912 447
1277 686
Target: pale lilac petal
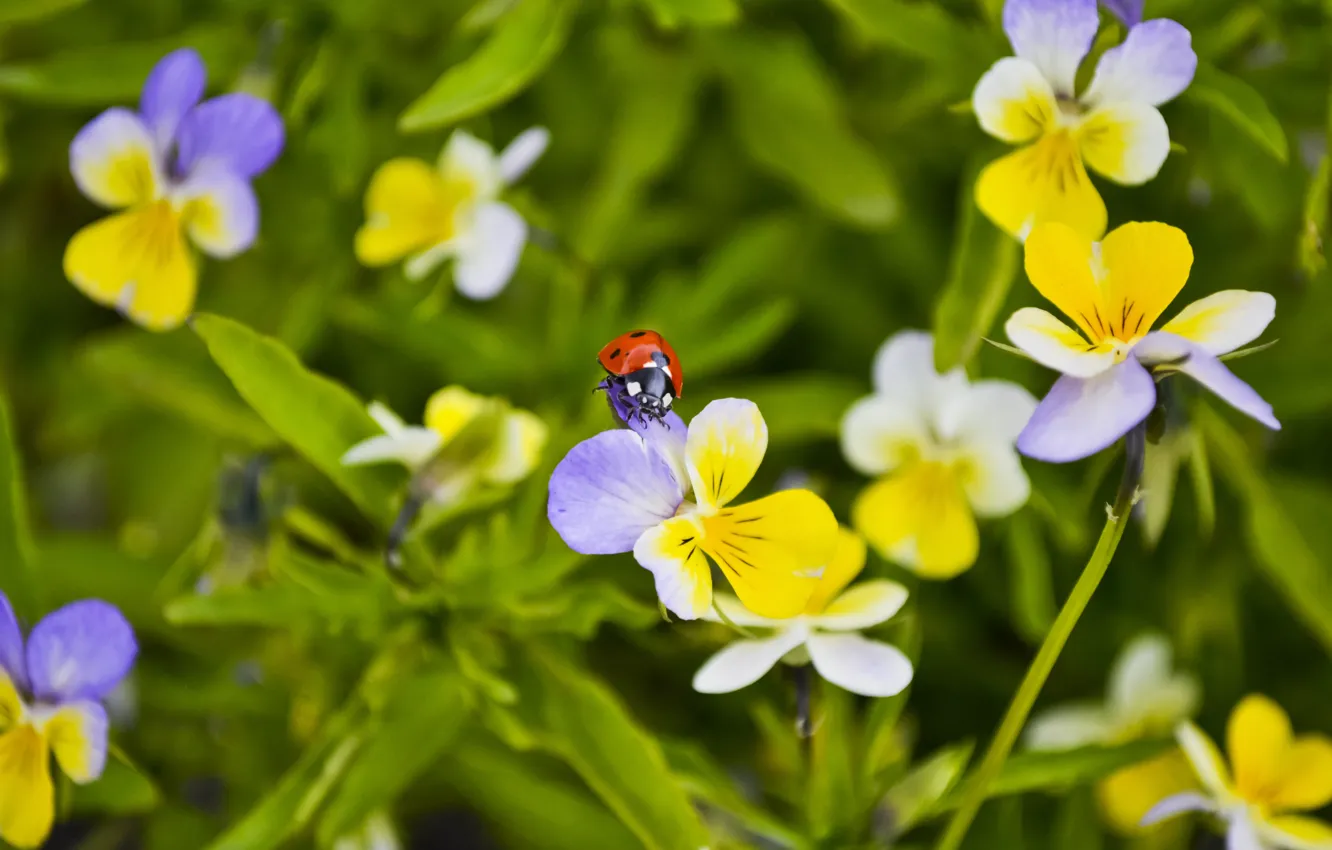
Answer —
81 651
174 87
1154 64
1191 359
860 665
522 153
114 161
610 489
221 213
11 645
489 254
744 662
1128 11
238 132
1053 35
1178 804
1081 416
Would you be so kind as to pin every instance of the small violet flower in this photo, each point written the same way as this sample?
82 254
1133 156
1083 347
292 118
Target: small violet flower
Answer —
178 168
1276 774
1114 291
942 450
826 634
665 493
1146 699
523 436
50 701
1114 126
429 214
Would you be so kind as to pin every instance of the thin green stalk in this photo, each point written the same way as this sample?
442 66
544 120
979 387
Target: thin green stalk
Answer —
1051 647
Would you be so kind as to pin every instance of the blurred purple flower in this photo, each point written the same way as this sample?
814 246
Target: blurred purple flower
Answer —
1128 11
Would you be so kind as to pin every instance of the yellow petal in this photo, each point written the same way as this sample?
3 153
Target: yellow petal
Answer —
1013 101
77 735
138 262
846 564
921 519
113 160
673 552
1039 183
11 705
1306 777
27 796
1052 343
522 438
1126 795
1127 142
726 444
407 209
1223 321
1205 759
1259 739
1146 265
772 549
449 409
1299 833
862 606
1058 260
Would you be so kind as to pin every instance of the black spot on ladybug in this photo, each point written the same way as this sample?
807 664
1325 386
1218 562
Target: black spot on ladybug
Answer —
637 334
615 353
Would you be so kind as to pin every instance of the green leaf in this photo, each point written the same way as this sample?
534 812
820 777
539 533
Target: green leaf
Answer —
18 11
519 48
420 721
833 801
16 550
711 786
984 264
922 29
321 419
1237 102
121 790
925 785
790 118
672 14
1032 583
590 728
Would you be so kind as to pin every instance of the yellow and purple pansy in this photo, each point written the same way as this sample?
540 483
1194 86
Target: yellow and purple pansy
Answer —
180 171
1114 291
1114 126
665 492
50 702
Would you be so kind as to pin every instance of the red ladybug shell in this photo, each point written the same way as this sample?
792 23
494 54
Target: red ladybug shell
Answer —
632 351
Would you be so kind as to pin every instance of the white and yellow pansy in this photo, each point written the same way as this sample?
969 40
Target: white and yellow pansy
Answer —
1114 126
941 449
428 214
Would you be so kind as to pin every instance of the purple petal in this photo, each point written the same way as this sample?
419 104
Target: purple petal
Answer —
1154 64
1081 416
1128 11
81 651
1191 359
11 645
1053 35
173 88
608 490
238 132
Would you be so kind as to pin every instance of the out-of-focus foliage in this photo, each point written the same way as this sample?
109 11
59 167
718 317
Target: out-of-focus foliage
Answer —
776 187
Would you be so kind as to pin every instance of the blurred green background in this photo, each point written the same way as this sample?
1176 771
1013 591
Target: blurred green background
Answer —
777 186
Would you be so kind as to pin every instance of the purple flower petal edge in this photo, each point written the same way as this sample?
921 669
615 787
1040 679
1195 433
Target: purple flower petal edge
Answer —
80 651
1081 416
238 132
11 645
1128 11
1191 359
173 88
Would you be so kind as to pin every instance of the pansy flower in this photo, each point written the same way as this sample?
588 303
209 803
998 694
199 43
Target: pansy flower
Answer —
1114 126
180 170
428 214
941 448
667 495
517 451
1146 699
1276 776
50 702
826 634
1114 291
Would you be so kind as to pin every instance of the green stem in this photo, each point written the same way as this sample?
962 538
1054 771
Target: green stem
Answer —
1051 647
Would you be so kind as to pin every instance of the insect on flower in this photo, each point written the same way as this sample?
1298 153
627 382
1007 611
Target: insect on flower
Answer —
428 214
1276 775
643 375
1114 126
1114 291
178 168
826 634
666 495
50 702
941 448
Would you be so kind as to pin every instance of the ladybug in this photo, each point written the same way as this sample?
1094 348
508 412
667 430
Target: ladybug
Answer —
643 373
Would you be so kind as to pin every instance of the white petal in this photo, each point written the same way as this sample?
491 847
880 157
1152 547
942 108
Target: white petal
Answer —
724 447
1224 321
744 662
412 447
1178 804
1204 757
987 412
736 611
862 666
1055 345
1154 64
1127 142
489 254
681 571
522 153
994 479
1145 690
904 372
1054 35
385 418
114 161
1013 101
862 606
467 158
1068 727
1242 835
521 441
879 433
